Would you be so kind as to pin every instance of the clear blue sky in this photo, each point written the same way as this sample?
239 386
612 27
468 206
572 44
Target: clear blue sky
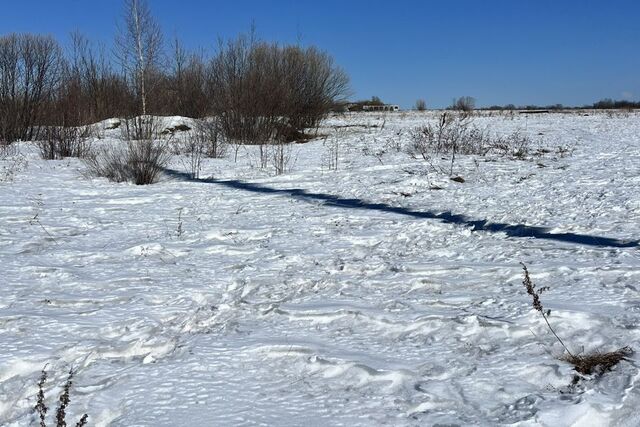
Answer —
499 51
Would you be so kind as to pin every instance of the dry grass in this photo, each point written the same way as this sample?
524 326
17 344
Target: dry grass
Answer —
456 134
63 402
597 362
41 407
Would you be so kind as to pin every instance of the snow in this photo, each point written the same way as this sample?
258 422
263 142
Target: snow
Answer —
356 296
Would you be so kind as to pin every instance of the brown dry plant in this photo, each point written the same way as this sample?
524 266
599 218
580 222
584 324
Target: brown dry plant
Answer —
63 402
596 362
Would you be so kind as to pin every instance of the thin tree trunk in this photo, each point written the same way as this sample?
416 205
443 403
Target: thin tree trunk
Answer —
141 64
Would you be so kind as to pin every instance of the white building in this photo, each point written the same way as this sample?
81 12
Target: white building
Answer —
384 107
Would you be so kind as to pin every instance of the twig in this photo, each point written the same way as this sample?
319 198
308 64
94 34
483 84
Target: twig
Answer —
37 221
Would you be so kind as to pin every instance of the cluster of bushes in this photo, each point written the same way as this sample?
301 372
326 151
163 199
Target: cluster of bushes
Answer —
260 90
454 134
609 104
267 92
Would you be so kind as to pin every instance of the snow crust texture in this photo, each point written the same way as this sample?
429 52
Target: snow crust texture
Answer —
220 303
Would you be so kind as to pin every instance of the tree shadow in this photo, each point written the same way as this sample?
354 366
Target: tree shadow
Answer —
511 230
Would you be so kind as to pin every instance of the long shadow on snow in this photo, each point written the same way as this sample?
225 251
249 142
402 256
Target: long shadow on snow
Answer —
511 230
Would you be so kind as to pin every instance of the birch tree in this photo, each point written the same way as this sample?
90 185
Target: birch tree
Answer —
138 47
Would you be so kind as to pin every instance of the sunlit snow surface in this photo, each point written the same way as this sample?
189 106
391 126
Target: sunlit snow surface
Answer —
214 303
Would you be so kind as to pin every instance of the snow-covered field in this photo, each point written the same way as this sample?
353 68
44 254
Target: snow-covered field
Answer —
356 296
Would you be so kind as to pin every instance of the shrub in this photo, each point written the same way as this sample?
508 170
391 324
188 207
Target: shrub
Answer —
515 145
141 159
11 163
109 162
194 148
464 103
6 149
204 140
456 134
59 142
208 132
137 161
421 105
263 92
140 128
281 157
146 160
452 134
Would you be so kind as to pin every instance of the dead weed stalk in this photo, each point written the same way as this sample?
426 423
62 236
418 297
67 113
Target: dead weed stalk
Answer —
64 400
596 362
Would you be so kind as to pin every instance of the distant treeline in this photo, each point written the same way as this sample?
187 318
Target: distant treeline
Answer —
604 104
257 89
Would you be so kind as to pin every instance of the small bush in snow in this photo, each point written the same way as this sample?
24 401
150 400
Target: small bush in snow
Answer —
281 155
139 161
193 148
514 145
6 149
140 128
207 131
451 134
13 164
204 140
59 142
332 154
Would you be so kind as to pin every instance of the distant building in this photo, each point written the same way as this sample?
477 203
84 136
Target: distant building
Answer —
383 107
366 106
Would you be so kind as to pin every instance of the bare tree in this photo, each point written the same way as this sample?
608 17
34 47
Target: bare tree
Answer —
421 105
95 90
464 103
138 47
185 91
30 70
